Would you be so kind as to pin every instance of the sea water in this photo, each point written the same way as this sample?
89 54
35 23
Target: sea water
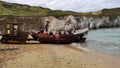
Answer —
103 40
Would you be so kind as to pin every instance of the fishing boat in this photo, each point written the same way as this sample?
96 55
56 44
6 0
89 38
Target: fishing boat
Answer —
77 36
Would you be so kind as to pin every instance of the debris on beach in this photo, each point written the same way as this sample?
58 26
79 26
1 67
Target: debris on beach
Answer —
8 48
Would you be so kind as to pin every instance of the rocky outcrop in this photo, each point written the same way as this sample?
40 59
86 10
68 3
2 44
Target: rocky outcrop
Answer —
65 22
76 22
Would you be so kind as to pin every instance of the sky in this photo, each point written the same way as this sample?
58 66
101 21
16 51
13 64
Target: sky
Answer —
72 5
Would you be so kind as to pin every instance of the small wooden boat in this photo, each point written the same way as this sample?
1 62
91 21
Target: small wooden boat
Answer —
78 36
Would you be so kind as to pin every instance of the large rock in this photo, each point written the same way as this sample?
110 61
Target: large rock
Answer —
64 22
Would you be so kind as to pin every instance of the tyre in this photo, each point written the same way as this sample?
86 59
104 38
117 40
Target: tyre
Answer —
3 40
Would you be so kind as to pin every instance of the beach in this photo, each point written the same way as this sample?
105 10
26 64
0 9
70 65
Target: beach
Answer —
54 56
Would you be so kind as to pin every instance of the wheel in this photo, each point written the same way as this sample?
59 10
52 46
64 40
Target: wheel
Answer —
22 41
3 40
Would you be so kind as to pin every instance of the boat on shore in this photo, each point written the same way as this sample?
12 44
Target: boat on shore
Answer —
77 36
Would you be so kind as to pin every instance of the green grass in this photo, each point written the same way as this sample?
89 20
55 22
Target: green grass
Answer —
21 10
13 9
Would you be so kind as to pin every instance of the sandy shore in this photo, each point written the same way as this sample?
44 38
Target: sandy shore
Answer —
53 56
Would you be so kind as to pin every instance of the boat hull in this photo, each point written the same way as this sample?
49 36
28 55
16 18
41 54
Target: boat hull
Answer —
63 39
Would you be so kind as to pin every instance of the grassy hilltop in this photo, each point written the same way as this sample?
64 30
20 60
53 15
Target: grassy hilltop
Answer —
13 9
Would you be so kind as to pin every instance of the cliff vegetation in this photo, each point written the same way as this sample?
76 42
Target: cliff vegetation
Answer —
14 9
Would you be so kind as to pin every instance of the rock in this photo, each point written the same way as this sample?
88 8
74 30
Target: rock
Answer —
65 22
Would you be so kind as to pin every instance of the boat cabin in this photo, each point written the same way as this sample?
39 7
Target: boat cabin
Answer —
11 28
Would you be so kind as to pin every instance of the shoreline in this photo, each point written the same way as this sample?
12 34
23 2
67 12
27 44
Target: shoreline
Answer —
52 56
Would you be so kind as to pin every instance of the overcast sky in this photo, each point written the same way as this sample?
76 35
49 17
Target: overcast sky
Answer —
74 5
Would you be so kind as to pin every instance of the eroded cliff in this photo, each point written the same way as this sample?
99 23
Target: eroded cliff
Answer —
64 22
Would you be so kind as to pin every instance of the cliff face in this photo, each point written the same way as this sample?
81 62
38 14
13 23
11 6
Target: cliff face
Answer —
34 17
64 22
76 22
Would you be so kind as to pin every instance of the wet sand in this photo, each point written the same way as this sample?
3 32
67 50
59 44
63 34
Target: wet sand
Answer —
53 56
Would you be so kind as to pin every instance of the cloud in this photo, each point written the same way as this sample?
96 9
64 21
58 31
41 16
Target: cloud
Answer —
29 2
74 5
